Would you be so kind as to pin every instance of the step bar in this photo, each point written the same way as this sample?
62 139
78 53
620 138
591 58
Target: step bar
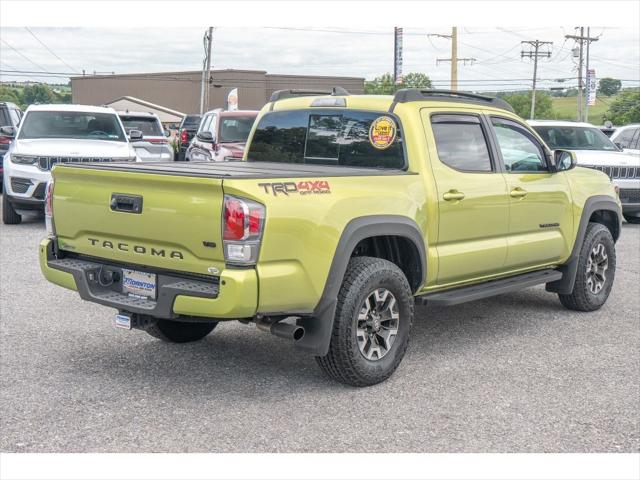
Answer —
491 288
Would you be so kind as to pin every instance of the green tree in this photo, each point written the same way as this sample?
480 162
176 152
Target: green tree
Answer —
11 94
384 85
521 103
625 108
609 86
38 93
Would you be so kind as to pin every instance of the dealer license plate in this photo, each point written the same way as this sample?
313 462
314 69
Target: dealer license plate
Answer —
139 284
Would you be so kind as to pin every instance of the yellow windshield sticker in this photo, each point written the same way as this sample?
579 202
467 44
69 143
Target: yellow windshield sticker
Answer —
382 132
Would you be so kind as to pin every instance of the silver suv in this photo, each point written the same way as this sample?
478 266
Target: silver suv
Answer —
154 145
51 134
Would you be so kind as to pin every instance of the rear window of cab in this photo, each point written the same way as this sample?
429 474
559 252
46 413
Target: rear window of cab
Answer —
337 137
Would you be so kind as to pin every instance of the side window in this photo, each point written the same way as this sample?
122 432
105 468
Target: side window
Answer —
521 152
635 143
461 142
204 126
213 125
625 137
14 116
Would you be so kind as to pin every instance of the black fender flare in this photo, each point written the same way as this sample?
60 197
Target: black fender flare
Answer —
319 325
570 268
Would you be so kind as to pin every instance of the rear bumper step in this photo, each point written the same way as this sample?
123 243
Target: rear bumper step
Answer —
88 274
489 289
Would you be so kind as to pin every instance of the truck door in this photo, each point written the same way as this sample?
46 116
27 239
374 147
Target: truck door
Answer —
473 202
541 220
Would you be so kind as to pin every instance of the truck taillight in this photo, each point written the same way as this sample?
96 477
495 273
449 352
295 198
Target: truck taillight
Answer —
243 224
48 209
4 140
184 137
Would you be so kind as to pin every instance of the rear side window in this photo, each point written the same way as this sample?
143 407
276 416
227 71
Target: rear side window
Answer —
461 142
329 137
149 126
4 117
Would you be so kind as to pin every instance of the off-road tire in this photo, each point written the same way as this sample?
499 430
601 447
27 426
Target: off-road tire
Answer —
180 332
632 219
581 298
344 362
9 215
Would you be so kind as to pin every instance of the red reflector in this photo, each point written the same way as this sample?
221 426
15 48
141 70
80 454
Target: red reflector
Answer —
156 140
5 140
234 218
255 221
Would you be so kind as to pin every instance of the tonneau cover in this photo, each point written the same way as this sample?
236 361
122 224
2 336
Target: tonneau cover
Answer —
239 169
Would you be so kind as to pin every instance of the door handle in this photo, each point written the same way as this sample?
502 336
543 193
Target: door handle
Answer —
453 195
518 192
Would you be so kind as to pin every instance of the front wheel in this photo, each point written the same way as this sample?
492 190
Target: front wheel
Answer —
372 323
9 215
180 332
596 271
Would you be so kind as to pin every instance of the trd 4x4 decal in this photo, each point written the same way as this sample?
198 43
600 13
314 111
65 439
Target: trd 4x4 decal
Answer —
306 187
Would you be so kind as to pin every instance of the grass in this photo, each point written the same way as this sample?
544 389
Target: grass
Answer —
565 108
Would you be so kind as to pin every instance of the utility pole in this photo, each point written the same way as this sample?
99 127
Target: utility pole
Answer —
206 66
454 57
535 54
581 39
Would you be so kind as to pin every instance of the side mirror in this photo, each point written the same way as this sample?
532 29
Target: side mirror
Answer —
8 131
206 137
564 160
135 135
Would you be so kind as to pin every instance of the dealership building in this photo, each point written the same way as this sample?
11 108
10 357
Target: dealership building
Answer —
180 91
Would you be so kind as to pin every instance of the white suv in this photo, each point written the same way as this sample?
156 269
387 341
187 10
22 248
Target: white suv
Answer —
595 150
50 134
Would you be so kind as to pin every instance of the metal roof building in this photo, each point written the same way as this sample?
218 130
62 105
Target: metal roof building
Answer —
180 91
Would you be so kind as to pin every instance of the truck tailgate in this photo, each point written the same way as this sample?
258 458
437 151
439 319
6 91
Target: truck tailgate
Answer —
178 226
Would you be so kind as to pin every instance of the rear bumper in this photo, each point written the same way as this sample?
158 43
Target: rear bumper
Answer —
232 295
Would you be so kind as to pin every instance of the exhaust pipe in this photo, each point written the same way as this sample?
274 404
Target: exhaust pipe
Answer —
287 331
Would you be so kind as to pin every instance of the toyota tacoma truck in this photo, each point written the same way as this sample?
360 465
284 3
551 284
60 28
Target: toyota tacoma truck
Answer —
346 212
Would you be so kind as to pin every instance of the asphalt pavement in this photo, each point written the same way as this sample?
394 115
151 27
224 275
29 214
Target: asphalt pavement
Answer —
514 373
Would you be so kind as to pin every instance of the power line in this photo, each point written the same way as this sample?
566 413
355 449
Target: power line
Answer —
23 56
49 50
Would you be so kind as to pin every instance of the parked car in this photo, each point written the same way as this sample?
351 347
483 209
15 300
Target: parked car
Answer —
595 150
154 145
627 138
10 116
346 212
56 134
187 130
221 136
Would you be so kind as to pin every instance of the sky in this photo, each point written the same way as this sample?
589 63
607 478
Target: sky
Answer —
362 52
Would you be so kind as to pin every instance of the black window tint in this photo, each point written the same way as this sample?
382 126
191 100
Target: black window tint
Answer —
323 136
461 144
322 139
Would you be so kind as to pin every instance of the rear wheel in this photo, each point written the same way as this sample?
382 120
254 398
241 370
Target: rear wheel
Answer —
596 271
632 219
180 332
372 323
9 215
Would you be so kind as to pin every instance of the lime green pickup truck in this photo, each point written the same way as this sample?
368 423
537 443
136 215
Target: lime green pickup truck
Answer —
346 211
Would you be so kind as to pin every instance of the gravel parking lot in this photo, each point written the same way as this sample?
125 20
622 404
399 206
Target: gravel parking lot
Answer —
513 373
